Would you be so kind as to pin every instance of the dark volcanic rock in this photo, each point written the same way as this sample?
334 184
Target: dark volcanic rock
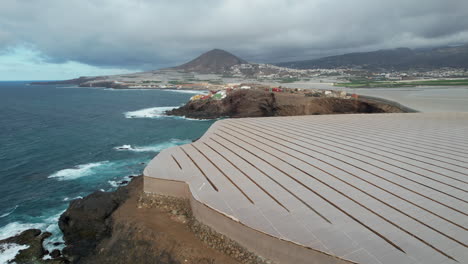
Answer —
33 238
87 221
259 103
117 228
55 253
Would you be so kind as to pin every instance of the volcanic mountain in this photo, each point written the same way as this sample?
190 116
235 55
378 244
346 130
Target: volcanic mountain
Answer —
213 61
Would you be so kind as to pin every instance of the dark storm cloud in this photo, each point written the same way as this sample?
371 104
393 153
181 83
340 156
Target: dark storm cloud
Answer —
151 34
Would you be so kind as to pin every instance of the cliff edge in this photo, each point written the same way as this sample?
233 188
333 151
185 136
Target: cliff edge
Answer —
260 103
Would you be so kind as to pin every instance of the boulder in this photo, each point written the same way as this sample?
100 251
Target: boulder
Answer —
55 253
33 238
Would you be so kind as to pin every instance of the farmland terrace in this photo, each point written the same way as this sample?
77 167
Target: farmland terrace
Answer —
378 188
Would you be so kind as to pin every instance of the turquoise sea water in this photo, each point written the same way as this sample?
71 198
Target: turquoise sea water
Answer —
58 143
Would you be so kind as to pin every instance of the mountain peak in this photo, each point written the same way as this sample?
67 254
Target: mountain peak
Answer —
213 61
219 51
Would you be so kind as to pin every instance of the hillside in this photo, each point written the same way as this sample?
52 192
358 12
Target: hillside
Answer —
401 58
213 61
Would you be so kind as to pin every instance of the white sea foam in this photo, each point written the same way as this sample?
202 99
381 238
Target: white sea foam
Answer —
71 199
9 212
157 112
153 148
48 224
187 91
152 112
118 183
77 172
15 228
9 251
114 184
194 119
51 225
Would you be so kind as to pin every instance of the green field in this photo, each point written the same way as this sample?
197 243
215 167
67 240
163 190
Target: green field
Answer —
388 84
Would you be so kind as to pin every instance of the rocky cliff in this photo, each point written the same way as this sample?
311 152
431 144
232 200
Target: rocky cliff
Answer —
259 103
128 226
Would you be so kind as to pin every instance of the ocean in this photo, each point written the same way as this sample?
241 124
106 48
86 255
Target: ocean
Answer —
59 143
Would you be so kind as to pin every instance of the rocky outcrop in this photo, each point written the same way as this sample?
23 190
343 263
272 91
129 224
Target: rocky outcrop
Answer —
259 103
127 226
88 221
108 228
34 253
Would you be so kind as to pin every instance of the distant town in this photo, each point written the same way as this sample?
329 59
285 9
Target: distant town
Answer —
220 70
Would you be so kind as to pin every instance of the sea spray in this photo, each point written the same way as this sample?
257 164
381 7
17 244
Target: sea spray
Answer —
153 148
152 112
15 228
95 172
9 251
158 113
77 171
47 223
187 91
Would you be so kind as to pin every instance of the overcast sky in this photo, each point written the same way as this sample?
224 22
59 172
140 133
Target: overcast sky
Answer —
57 39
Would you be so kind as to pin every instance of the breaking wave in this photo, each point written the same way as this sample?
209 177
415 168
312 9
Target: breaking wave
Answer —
155 147
71 199
9 251
187 91
48 224
153 112
9 213
121 182
15 228
77 171
157 112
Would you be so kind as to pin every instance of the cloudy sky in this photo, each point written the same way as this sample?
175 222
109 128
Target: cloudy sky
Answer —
57 39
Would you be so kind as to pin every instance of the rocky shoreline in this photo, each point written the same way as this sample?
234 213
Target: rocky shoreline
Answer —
101 227
129 226
31 241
